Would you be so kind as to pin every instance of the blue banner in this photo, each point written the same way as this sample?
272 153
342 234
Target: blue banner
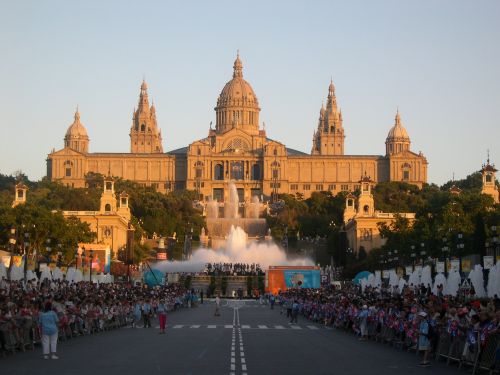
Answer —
302 278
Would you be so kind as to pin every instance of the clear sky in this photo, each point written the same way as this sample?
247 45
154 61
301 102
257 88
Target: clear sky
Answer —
439 61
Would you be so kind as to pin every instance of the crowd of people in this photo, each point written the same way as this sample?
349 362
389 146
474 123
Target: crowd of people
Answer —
40 312
413 318
233 269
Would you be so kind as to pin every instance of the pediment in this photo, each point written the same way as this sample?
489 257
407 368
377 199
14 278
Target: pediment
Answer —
67 151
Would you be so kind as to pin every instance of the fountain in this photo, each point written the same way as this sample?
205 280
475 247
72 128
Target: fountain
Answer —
477 280
494 281
237 250
453 283
218 227
439 279
426 277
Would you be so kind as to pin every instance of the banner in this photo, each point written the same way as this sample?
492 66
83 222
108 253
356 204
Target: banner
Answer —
378 274
440 267
466 265
400 272
454 265
409 270
488 262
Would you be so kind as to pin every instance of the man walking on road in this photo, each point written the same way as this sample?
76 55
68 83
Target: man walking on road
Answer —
295 312
217 306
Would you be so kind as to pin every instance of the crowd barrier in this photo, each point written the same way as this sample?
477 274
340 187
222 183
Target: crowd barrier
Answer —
24 333
454 350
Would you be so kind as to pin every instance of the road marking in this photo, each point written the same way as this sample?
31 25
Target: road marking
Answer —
279 327
195 326
243 367
295 327
212 326
178 326
312 327
228 326
262 327
244 326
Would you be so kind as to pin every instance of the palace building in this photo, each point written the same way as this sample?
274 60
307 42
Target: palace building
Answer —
238 150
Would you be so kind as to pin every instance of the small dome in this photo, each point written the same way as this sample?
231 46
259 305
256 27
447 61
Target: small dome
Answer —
76 129
237 91
398 132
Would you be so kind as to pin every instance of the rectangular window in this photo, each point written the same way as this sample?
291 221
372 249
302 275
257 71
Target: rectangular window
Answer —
406 175
307 187
331 187
319 187
357 187
344 187
294 187
68 172
275 185
218 195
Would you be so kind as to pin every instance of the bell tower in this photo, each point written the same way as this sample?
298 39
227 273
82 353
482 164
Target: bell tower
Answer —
366 204
20 194
489 180
329 137
145 137
108 199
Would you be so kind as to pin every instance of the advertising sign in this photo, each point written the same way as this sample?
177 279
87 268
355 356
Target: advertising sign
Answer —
466 265
488 262
286 277
440 267
454 265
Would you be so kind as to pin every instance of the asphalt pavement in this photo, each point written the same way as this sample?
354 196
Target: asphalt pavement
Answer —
248 338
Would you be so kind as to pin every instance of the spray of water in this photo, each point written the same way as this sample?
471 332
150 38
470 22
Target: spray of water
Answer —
237 250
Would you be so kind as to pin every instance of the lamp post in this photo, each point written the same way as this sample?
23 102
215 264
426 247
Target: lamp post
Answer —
12 245
445 249
460 247
413 256
422 252
495 242
26 246
91 257
76 257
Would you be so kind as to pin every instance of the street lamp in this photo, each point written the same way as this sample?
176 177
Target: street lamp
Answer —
90 264
26 253
445 249
495 242
422 252
76 257
413 255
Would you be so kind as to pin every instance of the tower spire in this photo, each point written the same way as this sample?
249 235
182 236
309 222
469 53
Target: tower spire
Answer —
238 66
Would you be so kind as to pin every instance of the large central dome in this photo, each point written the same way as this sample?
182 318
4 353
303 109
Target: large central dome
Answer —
237 105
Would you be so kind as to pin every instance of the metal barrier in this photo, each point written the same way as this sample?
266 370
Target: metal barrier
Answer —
489 358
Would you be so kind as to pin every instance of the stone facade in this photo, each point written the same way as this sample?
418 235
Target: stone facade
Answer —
238 149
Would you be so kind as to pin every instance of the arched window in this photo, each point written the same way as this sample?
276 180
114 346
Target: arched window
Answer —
219 172
488 178
275 167
107 208
406 169
256 172
143 127
366 209
136 127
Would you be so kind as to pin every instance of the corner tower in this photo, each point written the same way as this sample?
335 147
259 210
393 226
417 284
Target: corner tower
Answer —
329 137
145 137
490 187
237 105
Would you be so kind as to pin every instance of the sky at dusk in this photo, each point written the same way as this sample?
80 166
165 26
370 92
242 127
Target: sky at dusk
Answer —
438 61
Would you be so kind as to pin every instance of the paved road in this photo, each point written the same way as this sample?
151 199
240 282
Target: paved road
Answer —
247 339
